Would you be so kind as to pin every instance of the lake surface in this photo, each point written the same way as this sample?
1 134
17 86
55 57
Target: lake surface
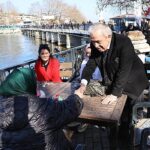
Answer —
17 48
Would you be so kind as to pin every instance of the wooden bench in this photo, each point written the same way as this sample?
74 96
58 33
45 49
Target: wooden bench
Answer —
140 122
66 70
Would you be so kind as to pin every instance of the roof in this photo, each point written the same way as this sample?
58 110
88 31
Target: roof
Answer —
123 16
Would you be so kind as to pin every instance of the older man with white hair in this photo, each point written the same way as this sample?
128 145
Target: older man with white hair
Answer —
122 71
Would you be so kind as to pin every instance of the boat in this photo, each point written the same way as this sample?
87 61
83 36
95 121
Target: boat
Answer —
95 136
9 29
120 23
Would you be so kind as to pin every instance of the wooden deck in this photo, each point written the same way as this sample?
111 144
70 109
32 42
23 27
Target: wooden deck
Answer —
97 138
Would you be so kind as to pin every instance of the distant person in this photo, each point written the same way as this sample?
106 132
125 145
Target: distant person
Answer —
56 50
47 67
111 25
32 123
144 26
87 53
131 27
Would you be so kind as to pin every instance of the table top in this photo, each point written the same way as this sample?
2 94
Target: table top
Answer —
93 110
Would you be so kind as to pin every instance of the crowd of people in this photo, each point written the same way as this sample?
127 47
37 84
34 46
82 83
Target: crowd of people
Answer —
109 58
143 26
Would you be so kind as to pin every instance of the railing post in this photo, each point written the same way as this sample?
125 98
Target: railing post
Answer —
58 39
37 35
43 35
83 41
52 37
68 41
47 36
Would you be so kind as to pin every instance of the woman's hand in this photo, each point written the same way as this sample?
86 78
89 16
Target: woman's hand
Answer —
79 93
82 88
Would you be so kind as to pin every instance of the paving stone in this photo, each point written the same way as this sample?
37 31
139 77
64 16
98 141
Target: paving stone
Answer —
97 146
95 139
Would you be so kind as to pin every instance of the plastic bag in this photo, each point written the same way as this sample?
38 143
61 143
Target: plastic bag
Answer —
95 88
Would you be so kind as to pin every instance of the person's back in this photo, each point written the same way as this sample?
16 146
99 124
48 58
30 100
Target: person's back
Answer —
29 122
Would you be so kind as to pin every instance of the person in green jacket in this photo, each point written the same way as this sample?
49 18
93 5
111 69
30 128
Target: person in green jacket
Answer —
29 122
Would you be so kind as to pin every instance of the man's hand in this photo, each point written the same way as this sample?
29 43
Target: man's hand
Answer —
109 99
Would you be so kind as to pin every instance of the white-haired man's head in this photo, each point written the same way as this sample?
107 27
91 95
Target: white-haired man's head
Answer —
100 36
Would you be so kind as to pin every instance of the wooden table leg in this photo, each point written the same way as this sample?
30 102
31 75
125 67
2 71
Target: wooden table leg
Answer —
114 145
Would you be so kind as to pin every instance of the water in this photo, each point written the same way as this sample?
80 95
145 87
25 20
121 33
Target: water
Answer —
17 48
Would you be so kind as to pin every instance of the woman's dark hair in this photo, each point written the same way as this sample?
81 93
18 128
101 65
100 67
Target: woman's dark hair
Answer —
44 46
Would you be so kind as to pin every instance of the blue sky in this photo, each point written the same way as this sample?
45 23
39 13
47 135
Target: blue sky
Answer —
87 7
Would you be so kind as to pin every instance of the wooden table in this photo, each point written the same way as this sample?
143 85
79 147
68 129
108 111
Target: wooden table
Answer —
93 111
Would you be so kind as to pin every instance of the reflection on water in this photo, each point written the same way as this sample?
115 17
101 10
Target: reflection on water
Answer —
16 49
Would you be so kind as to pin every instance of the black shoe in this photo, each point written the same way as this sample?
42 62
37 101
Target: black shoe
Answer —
80 147
82 127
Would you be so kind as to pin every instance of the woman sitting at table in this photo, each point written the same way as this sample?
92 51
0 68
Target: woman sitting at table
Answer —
47 68
28 122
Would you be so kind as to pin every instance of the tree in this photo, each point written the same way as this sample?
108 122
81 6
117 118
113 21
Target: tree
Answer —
75 15
8 13
1 8
10 8
35 9
59 9
122 4
55 7
63 10
145 6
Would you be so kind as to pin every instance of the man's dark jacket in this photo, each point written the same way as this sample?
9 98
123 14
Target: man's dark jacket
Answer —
123 67
31 123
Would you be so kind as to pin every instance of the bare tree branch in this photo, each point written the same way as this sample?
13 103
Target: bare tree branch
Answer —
122 4
59 9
